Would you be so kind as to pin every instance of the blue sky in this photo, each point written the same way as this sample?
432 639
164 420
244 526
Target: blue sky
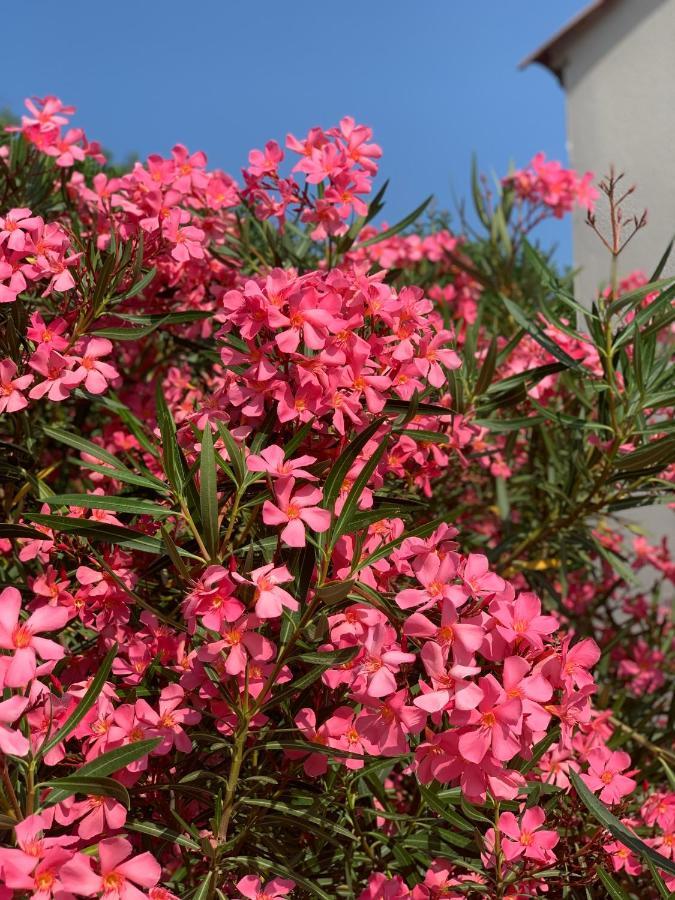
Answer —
436 79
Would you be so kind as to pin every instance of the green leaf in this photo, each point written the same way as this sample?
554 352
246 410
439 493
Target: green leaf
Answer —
542 339
76 784
140 285
163 834
398 227
478 201
19 531
114 760
487 370
85 703
614 826
323 827
334 591
84 446
614 889
208 495
539 749
345 461
659 882
205 888
421 409
343 521
132 505
144 481
441 809
110 534
662 262
257 863
424 436
235 453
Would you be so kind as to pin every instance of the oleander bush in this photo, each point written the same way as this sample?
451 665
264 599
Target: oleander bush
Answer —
318 573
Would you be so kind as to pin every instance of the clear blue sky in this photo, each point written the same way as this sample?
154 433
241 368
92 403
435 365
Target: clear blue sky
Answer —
436 79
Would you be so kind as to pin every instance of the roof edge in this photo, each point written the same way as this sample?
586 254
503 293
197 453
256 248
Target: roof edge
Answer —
545 54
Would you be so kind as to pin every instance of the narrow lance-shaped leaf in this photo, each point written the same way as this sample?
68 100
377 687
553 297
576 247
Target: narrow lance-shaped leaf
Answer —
107 764
208 496
132 505
89 786
85 703
615 827
345 461
398 227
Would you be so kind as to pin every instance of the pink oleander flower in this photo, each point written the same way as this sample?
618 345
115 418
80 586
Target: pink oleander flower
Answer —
11 398
21 637
449 683
272 461
13 227
188 240
269 598
381 661
11 739
605 769
43 880
168 723
526 838
95 814
496 724
59 381
436 576
92 373
477 579
295 509
251 887
265 162
622 858
385 723
42 333
118 879
522 620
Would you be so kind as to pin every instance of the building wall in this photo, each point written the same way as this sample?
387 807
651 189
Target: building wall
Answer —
619 77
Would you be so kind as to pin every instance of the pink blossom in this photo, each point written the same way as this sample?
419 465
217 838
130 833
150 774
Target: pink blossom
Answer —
251 887
94 374
21 637
118 879
59 381
295 509
11 739
604 774
496 724
526 838
13 227
522 620
269 598
272 460
11 398
170 719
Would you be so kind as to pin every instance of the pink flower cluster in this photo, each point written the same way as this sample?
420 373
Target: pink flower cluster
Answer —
43 128
342 160
546 183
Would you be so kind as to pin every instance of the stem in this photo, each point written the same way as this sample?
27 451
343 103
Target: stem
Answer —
9 789
233 778
30 788
231 522
499 856
643 741
195 531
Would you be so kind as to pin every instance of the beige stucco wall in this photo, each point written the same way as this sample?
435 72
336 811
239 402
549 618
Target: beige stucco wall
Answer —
619 78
